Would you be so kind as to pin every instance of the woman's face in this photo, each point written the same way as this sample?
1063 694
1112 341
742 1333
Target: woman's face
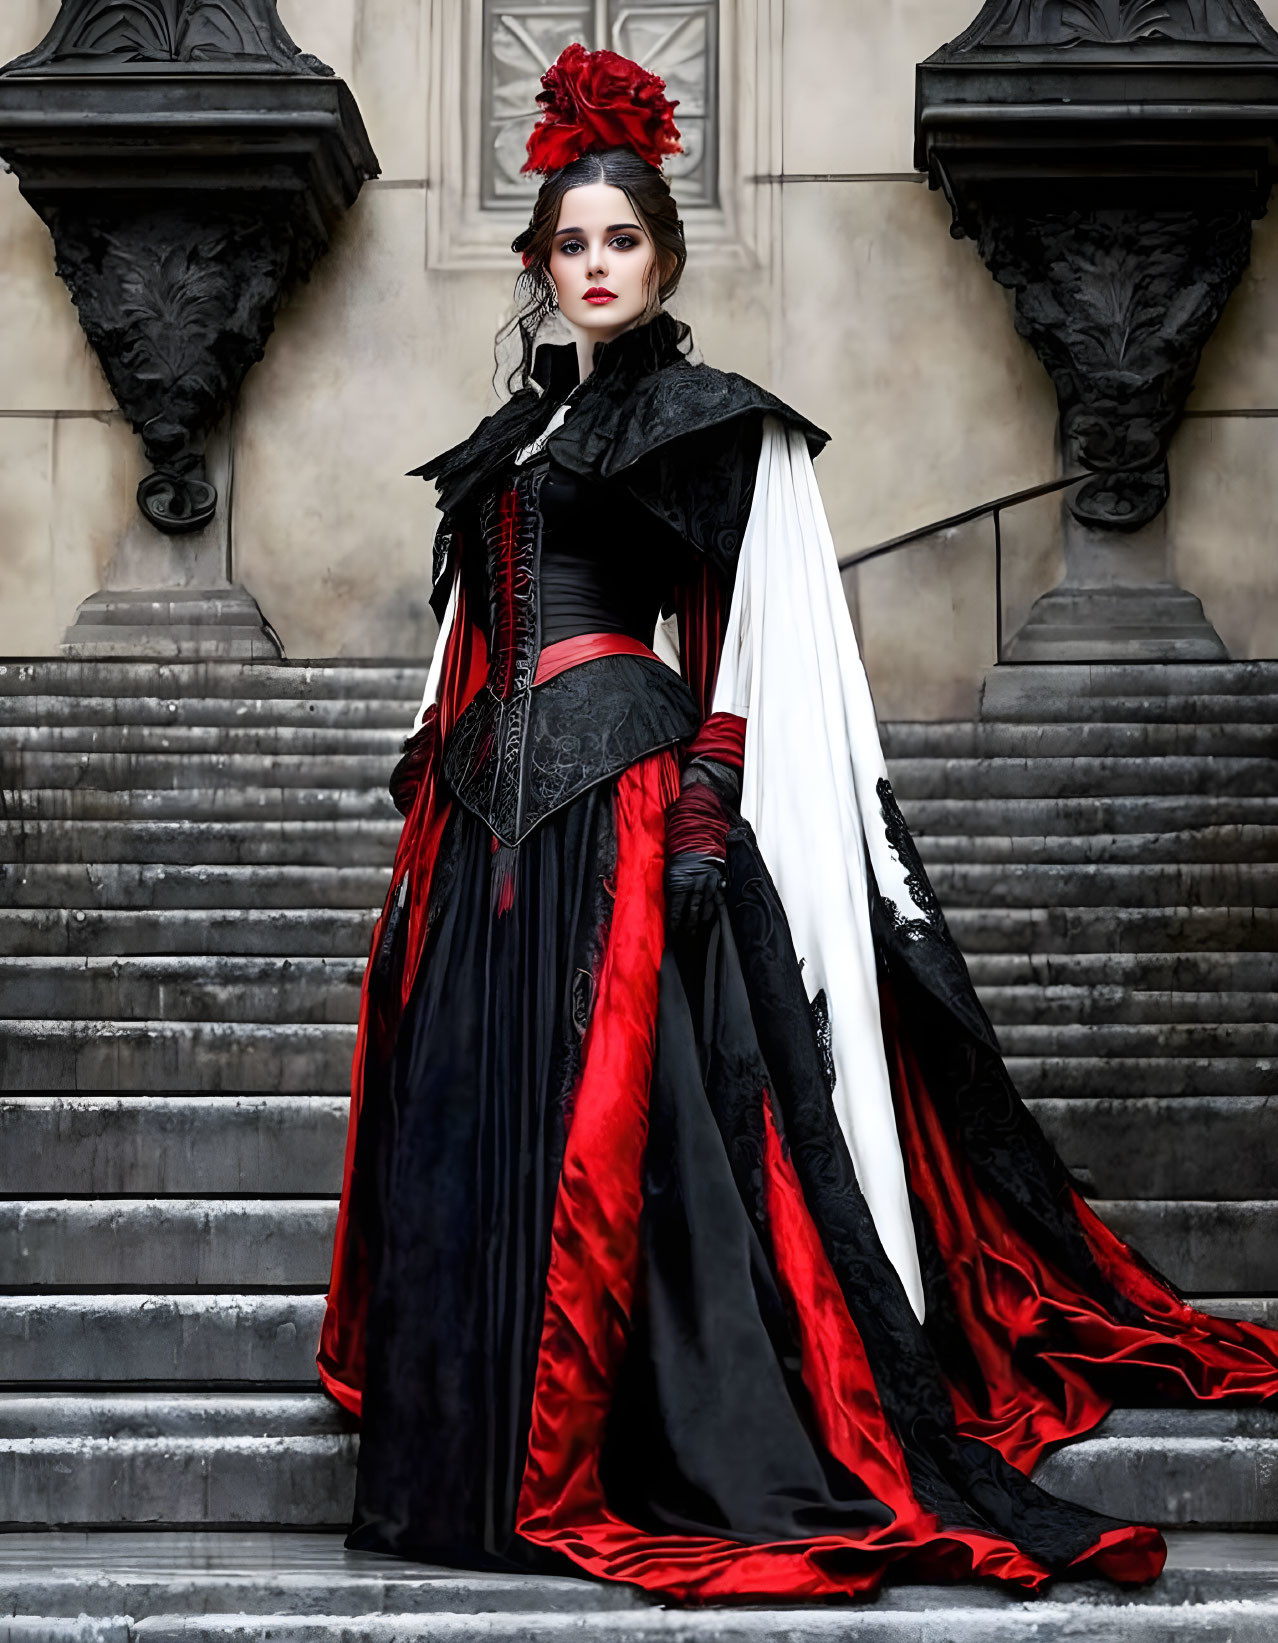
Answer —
601 261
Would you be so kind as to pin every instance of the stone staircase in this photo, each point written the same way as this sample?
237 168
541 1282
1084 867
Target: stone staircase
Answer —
189 856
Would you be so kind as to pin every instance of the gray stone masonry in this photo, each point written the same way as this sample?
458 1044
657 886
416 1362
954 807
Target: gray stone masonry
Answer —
190 860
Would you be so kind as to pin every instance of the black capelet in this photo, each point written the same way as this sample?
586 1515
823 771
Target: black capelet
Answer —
682 438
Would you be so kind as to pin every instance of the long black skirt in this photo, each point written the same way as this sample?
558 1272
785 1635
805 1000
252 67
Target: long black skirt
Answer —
732 1396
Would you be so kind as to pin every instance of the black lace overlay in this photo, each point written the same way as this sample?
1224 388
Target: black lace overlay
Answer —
965 1482
820 1007
515 763
706 499
966 1077
921 937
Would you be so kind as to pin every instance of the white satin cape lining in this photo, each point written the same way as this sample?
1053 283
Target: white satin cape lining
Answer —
791 667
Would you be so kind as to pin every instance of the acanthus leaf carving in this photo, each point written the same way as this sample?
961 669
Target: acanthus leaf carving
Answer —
219 32
1139 24
1118 303
178 307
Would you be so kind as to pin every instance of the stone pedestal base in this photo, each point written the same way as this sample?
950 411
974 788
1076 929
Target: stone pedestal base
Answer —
1152 622
172 624
1117 602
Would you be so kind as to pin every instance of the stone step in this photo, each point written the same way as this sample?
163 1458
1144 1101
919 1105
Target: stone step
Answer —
1203 844
175 1458
1176 1040
1259 708
1054 778
1106 1619
202 1338
315 712
191 1339
1111 1005
39 806
1092 930
333 681
1255 1309
122 885
51 1054
965 739
95 1146
1216 1588
1190 1147
1196 1147
1157 972
1151 813
144 1575
186 740
166 1243
288 932
1049 685
1206 1466
144 1056
355 843
204 1458
1206 1247
190 988
1203 884
122 772
1048 1077
913 779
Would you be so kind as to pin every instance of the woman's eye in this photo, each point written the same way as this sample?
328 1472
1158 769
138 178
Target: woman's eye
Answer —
624 242
571 247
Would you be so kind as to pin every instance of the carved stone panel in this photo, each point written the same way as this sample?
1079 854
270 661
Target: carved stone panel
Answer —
677 39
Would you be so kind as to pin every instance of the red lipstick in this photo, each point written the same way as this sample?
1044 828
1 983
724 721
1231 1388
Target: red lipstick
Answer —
600 294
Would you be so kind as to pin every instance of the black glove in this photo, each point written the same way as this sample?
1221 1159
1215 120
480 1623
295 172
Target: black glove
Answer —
694 884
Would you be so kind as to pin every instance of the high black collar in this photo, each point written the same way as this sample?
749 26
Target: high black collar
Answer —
635 352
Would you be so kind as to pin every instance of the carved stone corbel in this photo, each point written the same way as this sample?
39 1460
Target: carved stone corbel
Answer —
191 164
1108 157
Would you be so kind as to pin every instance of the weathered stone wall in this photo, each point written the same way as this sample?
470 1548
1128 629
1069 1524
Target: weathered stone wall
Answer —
856 305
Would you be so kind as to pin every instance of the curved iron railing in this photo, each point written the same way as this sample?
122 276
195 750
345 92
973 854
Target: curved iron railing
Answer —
985 510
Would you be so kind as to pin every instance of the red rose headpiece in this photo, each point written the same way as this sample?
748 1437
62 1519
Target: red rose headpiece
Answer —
598 99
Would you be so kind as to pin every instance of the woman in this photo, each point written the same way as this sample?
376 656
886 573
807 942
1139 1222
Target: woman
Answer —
693 1234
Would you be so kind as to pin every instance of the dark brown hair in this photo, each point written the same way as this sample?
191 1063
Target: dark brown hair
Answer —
654 206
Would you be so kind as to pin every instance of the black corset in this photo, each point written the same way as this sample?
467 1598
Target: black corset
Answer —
550 568
606 565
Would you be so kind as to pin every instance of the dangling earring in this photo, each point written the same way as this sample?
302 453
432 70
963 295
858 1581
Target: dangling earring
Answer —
552 301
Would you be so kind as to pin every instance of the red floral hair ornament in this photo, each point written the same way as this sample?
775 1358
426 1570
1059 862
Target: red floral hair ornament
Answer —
598 99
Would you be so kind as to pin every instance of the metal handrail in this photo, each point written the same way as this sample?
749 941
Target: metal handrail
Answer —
993 510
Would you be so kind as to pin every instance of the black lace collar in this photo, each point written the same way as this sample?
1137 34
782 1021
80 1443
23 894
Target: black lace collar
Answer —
634 352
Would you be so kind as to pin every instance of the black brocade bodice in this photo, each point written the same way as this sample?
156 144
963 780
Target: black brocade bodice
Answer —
555 556
604 565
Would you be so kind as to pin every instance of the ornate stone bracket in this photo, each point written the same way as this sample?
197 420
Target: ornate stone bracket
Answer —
191 165
1108 158
1118 304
